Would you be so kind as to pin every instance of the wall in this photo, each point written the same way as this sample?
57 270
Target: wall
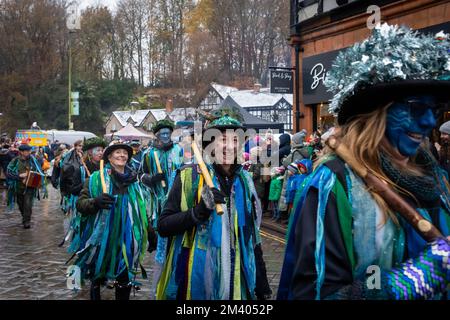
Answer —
109 125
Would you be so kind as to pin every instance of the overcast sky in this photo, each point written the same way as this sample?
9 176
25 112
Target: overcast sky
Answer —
109 3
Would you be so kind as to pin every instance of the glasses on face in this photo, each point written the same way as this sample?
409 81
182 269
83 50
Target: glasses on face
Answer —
418 108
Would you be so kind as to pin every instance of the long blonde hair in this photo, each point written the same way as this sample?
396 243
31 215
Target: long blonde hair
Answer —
363 136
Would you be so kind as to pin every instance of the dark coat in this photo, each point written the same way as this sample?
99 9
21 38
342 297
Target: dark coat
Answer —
173 221
284 148
86 203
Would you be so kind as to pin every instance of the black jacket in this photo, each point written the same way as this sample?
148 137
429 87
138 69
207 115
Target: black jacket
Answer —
173 221
284 148
86 204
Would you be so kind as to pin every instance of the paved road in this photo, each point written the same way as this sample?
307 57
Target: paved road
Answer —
32 264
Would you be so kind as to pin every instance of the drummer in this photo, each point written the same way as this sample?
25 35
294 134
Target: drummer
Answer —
17 190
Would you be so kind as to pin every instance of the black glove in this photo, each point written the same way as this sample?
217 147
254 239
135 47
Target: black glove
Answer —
104 201
152 239
152 181
210 197
76 189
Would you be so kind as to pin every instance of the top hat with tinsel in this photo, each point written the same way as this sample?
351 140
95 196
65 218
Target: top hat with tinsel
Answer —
165 123
391 64
225 117
93 142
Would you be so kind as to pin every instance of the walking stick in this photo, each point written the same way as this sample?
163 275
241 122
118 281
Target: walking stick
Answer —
158 166
426 229
102 177
205 173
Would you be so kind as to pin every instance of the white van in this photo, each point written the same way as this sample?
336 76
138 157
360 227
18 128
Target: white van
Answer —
68 137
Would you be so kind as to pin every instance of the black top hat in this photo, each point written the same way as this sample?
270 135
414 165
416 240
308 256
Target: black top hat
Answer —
393 63
368 99
117 146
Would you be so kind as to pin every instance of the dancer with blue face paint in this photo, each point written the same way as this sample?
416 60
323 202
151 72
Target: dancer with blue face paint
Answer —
169 156
346 240
409 122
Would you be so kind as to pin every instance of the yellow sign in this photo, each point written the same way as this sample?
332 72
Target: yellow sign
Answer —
35 138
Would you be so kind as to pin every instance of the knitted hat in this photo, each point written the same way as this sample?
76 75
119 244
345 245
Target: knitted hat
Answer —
392 63
445 128
299 137
293 168
277 170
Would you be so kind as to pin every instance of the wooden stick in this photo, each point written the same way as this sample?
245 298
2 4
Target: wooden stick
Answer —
426 229
158 166
102 177
85 167
205 173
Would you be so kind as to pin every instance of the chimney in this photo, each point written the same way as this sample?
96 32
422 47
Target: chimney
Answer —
256 87
169 106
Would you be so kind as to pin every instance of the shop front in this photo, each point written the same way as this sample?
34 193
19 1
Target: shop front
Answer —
317 41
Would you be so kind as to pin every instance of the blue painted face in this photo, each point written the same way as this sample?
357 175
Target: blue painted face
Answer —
409 122
164 135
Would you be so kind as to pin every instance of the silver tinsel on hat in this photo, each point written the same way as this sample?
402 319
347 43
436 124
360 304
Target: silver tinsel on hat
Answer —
391 53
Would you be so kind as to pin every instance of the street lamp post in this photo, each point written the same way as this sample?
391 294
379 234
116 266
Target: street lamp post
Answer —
73 24
70 84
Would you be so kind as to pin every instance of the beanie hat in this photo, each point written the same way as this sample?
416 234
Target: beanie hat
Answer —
445 128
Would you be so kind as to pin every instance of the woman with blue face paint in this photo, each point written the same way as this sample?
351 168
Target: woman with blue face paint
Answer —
346 241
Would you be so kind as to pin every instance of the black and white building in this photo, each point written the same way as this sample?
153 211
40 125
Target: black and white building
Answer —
259 102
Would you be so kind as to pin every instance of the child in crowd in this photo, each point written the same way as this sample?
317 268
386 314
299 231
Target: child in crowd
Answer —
276 185
297 172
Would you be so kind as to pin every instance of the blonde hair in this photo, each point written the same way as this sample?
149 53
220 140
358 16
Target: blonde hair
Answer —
363 136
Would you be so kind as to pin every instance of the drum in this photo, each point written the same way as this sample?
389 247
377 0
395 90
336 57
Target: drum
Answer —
33 179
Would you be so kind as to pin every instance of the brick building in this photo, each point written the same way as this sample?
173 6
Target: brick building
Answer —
321 28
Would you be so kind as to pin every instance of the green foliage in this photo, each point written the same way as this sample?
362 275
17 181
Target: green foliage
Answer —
48 106
115 94
97 100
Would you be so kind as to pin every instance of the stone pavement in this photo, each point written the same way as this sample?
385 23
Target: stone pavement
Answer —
32 266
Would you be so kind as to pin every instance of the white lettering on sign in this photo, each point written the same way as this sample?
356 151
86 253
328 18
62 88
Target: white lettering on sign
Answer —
375 16
282 75
319 73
